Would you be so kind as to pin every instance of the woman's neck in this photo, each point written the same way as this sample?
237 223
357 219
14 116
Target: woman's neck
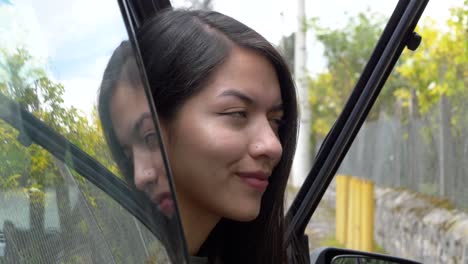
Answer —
197 224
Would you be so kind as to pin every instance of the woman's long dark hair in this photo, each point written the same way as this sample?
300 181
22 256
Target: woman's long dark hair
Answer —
181 49
121 68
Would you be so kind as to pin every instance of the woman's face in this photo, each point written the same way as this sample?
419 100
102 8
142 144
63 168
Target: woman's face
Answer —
136 133
223 142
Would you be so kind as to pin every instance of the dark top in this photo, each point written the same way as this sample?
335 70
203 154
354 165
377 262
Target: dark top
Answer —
198 260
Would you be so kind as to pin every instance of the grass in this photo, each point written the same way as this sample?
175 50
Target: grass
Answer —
379 249
330 241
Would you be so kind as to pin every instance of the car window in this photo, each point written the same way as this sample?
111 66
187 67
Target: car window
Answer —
65 193
345 38
406 166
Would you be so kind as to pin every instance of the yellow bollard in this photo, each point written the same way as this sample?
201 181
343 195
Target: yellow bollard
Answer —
357 215
367 221
351 213
342 205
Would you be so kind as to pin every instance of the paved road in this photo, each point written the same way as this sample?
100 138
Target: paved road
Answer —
322 225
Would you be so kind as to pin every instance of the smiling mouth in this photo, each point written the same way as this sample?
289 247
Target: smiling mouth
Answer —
166 206
165 203
256 180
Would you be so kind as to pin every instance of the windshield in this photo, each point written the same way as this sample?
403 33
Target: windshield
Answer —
65 195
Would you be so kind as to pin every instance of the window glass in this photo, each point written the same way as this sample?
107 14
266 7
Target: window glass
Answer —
66 219
53 55
404 178
340 42
69 186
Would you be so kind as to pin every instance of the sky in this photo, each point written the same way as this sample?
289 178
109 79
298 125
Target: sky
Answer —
68 38
74 42
280 19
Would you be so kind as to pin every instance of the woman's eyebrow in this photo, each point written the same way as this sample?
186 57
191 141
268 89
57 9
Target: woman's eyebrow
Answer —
246 99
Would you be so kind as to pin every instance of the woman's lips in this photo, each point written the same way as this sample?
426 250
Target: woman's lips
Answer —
166 206
256 180
165 203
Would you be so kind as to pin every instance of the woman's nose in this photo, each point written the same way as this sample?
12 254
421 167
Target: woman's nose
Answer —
145 174
266 144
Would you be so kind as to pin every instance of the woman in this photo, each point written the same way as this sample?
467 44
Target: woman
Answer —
129 130
227 107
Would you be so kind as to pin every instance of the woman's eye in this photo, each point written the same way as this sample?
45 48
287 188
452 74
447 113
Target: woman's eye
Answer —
276 123
151 141
236 114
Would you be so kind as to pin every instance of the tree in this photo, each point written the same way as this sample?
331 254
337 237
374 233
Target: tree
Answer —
425 94
33 90
434 89
347 50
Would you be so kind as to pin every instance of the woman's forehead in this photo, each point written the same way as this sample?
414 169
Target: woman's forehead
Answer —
128 105
248 72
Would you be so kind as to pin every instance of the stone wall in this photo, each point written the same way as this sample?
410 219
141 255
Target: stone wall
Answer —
416 227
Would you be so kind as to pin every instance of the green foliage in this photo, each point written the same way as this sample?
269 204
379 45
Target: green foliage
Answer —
439 66
28 84
330 241
346 51
420 78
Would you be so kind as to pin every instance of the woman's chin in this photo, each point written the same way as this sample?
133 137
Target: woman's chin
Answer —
248 218
244 214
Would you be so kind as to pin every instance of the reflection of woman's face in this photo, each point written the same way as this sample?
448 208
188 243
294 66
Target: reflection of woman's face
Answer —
134 127
223 143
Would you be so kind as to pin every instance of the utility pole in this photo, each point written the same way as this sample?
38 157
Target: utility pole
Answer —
302 160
